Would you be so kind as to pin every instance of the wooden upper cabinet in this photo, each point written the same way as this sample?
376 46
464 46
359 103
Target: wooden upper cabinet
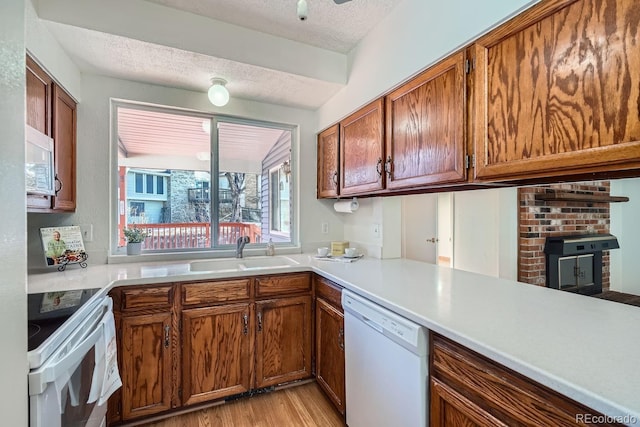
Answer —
556 91
328 162
52 111
361 150
425 127
64 137
39 88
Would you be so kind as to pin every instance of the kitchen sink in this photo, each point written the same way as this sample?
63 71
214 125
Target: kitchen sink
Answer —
217 265
266 262
242 264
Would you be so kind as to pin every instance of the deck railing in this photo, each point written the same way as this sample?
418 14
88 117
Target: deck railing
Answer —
189 235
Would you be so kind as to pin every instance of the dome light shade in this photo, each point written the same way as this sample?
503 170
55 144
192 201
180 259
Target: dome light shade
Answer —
218 94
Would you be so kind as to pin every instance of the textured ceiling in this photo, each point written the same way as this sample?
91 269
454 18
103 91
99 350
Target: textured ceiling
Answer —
257 58
330 26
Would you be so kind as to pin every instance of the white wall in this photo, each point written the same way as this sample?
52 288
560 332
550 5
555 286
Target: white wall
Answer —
625 268
414 35
46 50
94 151
13 295
485 232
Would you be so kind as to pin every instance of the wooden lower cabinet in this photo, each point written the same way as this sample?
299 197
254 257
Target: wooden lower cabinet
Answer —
213 341
146 352
283 340
217 355
467 389
330 352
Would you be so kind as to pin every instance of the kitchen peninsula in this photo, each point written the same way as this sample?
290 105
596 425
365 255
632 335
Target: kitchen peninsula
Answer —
580 347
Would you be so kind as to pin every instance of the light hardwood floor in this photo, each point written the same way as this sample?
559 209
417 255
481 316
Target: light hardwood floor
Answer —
300 406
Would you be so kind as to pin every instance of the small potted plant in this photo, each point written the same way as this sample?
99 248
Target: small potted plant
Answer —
135 236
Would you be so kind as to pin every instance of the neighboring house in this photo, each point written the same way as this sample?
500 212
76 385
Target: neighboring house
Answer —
275 192
146 196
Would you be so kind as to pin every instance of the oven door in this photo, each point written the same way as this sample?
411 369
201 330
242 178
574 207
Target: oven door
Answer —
60 391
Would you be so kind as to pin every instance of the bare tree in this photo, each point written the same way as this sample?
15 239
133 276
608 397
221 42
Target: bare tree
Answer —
237 186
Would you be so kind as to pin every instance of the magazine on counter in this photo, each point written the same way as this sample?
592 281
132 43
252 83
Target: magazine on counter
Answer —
63 245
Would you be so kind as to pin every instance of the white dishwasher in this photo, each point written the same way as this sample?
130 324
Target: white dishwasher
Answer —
386 360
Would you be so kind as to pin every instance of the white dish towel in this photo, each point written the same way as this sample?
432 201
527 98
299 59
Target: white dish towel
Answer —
106 377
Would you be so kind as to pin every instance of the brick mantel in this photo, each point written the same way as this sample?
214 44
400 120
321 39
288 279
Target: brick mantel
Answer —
539 219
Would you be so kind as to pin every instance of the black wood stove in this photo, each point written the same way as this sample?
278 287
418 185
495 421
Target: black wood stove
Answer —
574 263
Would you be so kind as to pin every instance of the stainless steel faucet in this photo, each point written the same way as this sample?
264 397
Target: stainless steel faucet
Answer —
240 245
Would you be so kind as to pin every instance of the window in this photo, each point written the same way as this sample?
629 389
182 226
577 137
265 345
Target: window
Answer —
279 200
139 182
199 181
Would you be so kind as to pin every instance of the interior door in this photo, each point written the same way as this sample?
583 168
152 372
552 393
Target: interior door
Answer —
419 227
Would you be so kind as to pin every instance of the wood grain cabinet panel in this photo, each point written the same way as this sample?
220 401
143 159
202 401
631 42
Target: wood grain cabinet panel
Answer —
361 150
328 162
556 91
216 291
217 353
283 284
474 390
283 340
64 136
425 127
330 369
146 371
156 297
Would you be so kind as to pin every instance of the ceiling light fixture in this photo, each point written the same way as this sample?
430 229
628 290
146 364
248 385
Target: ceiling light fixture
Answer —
218 93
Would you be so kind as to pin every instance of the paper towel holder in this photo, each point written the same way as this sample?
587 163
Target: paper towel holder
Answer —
345 206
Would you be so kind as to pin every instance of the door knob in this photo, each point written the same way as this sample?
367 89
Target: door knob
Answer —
433 240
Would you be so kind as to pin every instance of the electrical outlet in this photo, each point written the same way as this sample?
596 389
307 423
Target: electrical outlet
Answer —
87 232
325 228
376 230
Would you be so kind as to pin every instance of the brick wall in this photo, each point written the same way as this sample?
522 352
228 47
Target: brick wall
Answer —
540 219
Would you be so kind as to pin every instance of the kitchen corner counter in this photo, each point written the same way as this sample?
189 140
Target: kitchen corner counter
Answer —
584 348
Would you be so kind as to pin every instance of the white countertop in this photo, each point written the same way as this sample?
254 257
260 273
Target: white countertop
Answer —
584 348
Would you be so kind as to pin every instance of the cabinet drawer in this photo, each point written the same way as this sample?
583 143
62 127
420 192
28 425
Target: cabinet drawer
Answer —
329 291
147 297
512 398
283 284
216 291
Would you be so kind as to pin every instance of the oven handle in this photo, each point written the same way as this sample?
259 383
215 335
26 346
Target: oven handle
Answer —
48 373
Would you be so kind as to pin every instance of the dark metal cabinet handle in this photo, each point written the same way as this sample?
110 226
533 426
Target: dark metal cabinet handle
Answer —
379 167
259 321
245 328
387 167
167 341
341 338
61 184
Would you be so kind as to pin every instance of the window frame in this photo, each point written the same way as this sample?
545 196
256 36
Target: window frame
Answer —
215 250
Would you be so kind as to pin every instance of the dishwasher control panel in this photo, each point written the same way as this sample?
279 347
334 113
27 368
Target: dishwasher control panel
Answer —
400 329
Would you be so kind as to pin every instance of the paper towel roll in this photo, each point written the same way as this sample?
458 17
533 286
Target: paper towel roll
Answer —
346 206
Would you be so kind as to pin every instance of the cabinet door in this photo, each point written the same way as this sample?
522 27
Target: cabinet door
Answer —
283 340
38 116
361 150
330 352
64 137
425 138
556 91
328 162
216 352
147 347
451 409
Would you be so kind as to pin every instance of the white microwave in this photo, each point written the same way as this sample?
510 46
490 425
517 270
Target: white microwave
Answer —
39 163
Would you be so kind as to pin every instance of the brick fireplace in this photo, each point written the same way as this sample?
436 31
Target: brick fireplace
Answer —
542 215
